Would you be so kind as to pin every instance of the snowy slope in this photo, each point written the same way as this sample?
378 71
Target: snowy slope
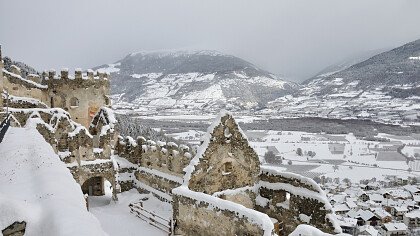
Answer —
194 80
385 88
388 70
36 187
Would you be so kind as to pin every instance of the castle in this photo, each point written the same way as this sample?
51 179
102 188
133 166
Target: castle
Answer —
221 184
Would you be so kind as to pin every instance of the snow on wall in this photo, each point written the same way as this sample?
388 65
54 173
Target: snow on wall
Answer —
36 187
24 100
25 81
313 192
269 170
253 216
307 230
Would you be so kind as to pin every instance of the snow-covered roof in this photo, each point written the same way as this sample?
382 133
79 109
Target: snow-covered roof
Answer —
368 229
363 214
390 227
411 188
376 197
340 207
351 204
401 208
381 213
413 214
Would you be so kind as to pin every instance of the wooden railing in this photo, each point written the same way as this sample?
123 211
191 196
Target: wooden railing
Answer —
4 125
151 217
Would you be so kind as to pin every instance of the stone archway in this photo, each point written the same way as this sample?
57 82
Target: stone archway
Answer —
94 186
93 177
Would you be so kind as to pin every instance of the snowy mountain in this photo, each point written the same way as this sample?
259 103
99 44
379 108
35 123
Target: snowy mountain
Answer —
347 62
197 80
385 87
388 71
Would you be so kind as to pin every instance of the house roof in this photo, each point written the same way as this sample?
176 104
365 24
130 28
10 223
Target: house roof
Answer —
400 208
340 207
413 214
395 227
347 222
364 215
411 188
381 213
369 229
339 198
351 204
376 197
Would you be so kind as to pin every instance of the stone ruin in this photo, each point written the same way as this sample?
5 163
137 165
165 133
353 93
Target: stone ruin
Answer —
71 114
227 168
223 185
81 94
220 185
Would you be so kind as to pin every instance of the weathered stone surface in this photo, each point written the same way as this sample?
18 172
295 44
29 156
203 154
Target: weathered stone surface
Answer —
228 162
196 218
15 229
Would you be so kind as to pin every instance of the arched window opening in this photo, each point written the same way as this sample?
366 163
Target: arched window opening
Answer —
227 168
74 102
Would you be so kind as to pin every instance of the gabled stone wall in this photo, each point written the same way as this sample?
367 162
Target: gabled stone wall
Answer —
228 162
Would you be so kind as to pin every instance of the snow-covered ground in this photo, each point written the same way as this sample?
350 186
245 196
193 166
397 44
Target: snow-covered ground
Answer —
116 219
336 156
36 187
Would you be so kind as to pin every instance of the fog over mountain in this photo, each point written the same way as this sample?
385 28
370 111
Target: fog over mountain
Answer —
294 39
198 80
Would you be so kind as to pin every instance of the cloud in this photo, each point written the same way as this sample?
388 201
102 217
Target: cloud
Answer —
296 38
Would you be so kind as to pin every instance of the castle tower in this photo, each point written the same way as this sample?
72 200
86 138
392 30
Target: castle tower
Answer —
82 95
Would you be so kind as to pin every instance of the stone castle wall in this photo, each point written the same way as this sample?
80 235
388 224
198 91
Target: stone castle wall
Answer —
17 86
82 95
158 165
202 214
293 200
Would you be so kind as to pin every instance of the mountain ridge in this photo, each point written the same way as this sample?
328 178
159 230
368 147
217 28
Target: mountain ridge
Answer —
208 79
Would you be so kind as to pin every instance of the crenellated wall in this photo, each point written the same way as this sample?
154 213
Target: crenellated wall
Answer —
81 95
158 165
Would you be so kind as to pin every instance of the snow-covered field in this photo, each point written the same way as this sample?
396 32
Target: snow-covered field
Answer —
333 156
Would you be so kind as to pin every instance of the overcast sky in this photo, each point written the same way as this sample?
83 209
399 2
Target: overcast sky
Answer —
294 38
